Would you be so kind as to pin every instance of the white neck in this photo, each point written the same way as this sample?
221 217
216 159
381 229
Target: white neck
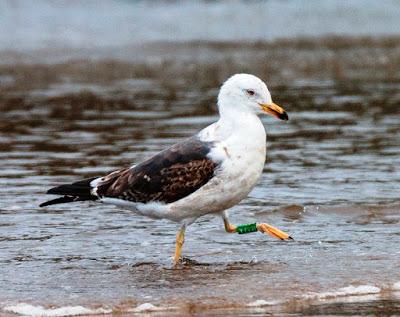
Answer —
240 120
238 123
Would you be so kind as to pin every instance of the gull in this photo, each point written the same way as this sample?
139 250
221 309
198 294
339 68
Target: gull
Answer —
207 173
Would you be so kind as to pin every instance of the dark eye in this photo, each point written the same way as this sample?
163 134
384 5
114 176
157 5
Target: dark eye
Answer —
250 92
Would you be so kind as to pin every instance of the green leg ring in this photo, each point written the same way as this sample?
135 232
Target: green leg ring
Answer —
252 227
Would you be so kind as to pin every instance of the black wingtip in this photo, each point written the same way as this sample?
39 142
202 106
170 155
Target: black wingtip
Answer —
67 199
59 190
59 200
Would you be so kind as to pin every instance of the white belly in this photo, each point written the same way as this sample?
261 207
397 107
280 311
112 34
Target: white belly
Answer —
243 158
241 154
234 179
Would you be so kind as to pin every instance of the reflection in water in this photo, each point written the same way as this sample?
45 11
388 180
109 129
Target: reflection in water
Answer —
331 180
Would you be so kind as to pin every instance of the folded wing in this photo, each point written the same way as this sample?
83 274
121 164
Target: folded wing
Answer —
166 177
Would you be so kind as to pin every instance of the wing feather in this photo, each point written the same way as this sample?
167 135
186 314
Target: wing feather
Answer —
166 177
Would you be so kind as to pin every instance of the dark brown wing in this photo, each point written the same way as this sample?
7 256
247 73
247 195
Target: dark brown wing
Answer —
166 177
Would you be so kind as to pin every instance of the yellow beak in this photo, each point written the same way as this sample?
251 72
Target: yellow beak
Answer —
274 110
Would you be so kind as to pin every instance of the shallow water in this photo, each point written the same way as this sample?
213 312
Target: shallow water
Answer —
331 180
87 24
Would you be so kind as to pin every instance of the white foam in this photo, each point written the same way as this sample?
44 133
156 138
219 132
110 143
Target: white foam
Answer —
148 307
145 308
396 286
346 291
262 302
29 310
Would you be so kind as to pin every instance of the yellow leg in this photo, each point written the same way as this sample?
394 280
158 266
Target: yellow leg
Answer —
262 227
272 231
228 226
180 239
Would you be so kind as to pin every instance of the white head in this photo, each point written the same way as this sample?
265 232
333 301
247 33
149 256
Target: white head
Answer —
247 93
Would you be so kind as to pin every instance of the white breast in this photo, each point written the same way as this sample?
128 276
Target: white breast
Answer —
241 151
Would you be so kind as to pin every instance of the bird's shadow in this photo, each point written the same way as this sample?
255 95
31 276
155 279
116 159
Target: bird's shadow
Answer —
188 264
190 271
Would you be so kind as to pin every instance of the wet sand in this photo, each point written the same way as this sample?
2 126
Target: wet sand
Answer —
331 180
